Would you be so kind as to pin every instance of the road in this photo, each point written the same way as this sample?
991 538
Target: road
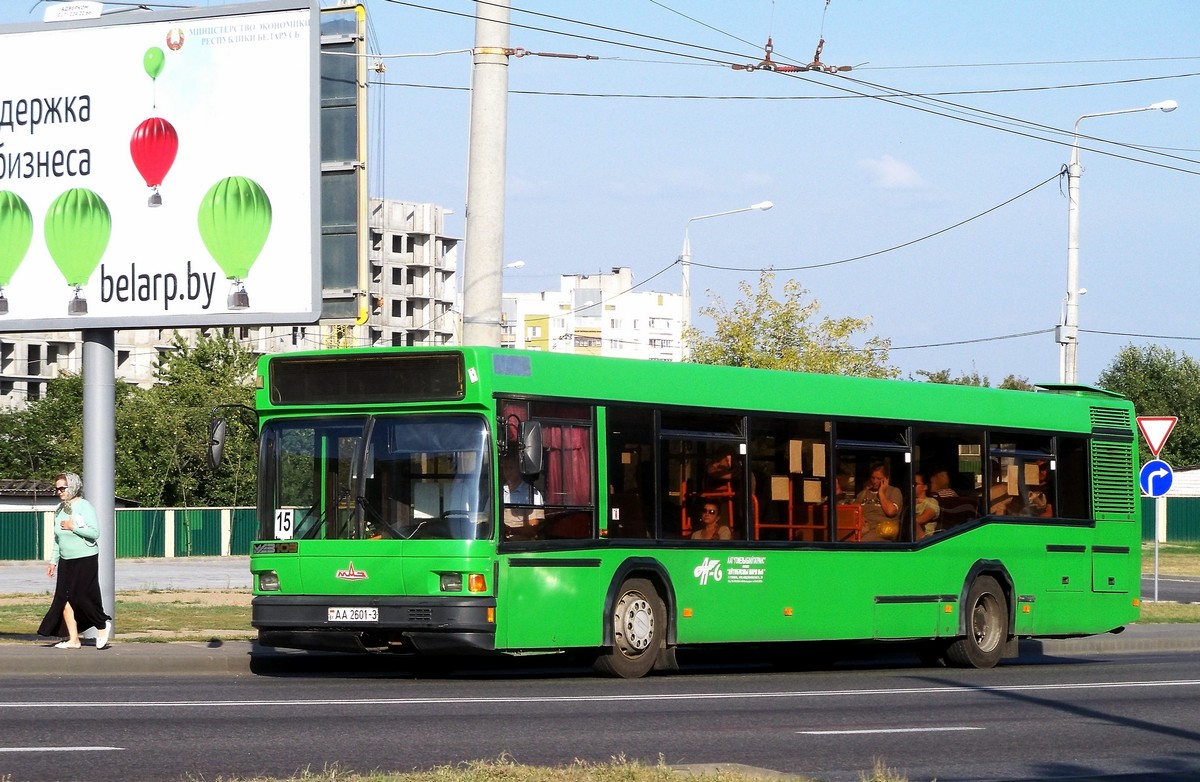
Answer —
1095 718
1176 589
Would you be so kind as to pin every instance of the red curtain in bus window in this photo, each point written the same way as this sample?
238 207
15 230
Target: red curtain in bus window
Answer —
568 464
512 413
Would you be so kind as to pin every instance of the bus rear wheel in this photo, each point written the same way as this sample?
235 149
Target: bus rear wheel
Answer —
986 616
638 624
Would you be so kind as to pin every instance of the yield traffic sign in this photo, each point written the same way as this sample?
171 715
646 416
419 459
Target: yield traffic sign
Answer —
1156 429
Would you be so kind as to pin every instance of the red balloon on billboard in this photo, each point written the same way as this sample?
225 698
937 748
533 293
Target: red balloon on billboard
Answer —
153 147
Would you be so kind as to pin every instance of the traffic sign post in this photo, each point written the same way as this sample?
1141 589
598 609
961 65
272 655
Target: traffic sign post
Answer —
1156 476
1155 479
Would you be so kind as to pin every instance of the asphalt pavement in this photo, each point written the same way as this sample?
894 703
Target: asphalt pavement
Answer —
131 575
29 655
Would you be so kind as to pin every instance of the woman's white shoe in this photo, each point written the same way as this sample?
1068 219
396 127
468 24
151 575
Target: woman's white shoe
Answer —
102 637
67 645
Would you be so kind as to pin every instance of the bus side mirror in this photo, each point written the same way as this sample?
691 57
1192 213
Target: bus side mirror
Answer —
216 442
530 437
217 431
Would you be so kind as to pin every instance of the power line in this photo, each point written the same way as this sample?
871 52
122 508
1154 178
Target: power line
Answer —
973 341
1140 336
785 98
883 93
1040 63
887 249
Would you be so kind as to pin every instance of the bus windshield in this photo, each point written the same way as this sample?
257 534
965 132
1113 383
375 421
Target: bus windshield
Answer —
376 477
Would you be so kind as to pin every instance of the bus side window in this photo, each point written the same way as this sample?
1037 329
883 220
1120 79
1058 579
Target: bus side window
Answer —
630 448
570 511
881 489
1072 485
792 482
951 463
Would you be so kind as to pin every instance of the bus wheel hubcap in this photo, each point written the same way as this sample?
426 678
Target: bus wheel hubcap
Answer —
636 625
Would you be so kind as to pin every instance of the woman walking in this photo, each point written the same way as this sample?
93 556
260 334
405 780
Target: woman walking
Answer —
77 604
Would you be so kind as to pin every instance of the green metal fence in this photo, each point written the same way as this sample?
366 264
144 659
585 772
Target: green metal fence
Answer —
1183 519
21 535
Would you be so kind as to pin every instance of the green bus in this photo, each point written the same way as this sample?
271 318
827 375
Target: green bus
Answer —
447 501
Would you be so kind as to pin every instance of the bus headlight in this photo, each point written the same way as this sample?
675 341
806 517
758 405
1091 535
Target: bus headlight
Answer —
451 582
268 581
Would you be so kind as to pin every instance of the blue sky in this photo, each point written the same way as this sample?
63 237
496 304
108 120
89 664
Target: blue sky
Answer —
609 158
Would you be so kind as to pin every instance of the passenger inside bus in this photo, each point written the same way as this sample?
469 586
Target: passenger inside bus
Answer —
881 502
522 500
712 526
955 507
1039 494
925 508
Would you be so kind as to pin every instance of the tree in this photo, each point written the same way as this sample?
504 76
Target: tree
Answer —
760 331
167 461
46 437
161 433
1012 382
1161 382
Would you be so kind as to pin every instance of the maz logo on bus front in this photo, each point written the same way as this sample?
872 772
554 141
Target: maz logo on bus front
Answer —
709 568
350 574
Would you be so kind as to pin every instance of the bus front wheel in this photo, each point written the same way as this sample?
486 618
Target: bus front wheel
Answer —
638 625
986 618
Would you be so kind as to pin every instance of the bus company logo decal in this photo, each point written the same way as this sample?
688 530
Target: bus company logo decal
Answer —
709 568
746 570
350 574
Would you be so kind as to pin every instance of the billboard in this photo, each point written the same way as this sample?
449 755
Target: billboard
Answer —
161 171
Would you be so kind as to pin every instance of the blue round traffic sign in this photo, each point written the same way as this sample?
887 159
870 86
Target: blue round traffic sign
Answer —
1155 478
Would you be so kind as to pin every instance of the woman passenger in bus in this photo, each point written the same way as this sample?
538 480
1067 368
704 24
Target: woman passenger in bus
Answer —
880 502
713 528
925 507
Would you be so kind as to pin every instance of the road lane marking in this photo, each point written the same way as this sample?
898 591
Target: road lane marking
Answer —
883 730
62 749
611 697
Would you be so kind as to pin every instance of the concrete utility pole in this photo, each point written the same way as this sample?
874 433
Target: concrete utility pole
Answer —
484 259
1067 335
685 262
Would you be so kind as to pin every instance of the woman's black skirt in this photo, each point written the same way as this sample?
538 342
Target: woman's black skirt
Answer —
78 584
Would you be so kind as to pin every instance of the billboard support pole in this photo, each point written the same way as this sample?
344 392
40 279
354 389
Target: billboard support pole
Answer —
99 450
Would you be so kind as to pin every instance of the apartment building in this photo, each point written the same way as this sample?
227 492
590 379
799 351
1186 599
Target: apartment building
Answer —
597 314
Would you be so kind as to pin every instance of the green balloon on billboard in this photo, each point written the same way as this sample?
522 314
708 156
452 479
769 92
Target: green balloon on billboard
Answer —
234 220
78 225
16 232
153 61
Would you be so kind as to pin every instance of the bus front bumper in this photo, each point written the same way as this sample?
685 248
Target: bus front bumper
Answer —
376 624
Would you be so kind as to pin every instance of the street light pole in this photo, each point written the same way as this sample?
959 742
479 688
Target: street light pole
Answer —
685 260
1067 334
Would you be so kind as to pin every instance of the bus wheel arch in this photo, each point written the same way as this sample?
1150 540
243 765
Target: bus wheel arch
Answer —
638 632
985 617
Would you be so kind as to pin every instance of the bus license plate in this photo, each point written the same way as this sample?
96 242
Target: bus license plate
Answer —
353 615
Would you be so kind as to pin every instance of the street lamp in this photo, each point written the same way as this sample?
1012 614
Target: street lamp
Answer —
685 257
1067 334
